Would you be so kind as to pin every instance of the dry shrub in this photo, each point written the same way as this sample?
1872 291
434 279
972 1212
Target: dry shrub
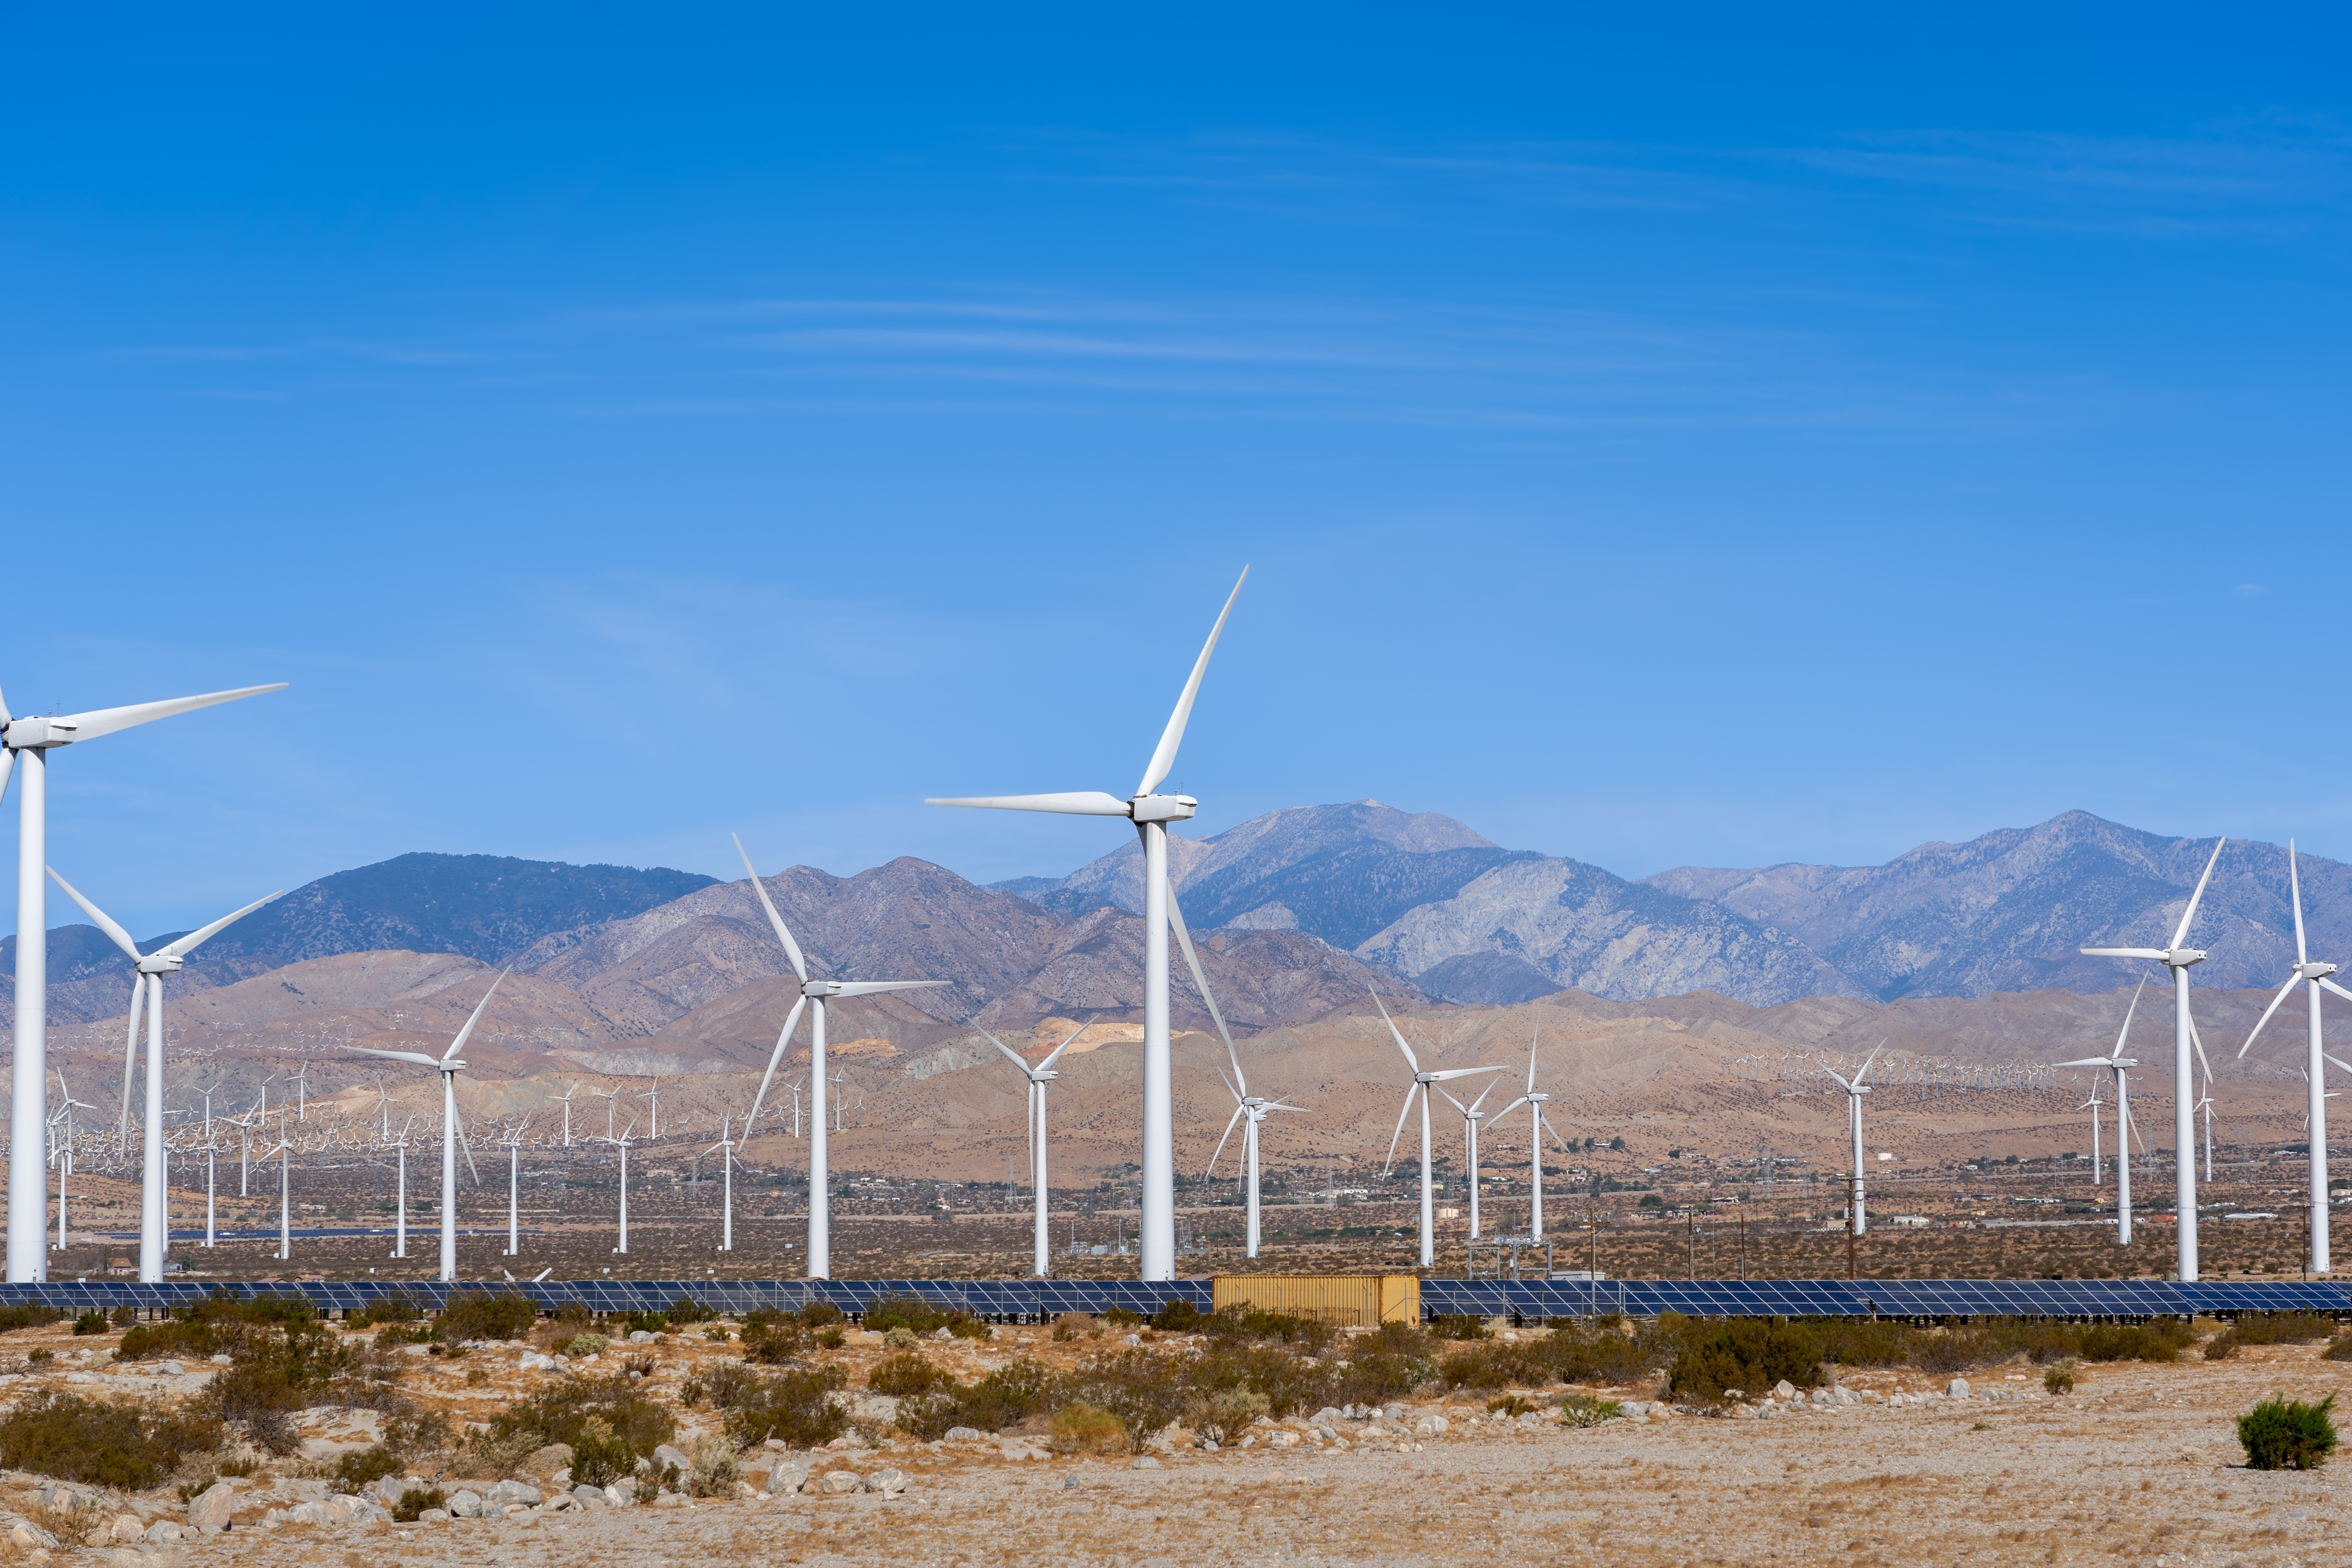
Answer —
98 1444
796 1406
2282 1328
1005 1397
479 1315
904 1373
715 1469
1080 1428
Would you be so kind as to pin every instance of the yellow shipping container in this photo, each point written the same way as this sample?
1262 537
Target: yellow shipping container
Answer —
1345 1300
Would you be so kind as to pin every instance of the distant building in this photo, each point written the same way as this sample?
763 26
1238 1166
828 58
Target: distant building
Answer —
1909 1222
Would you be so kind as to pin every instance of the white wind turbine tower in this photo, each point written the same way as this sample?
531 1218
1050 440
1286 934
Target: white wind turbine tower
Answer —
1038 1077
796 1088
1251 1110
285 1152
820 1235
2180 959
29 740
2117 1063
1855 1088
1151 813
514 1188
155 1212
452 1132
1534 1101
564 1100
622 1142
1420 1084
726 1147
2092 1105
2313 976
400 1210
1470 1117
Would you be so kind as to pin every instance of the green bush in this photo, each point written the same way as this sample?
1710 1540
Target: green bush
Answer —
1750 1354
1459 1326
392 1307
790 1405
582 1345
1005 1397
2339 1348
1178 1317
476 1315
904 1373
686 1311
1143 1392
1583 1410
353 1472
94 1443
883 1313
415 1501
773 1341
2160 1341
606 1418
1394 1361
2222 1346
90 1322
2059 1379
2288 1435
1120 1318
1310 1336
27 1315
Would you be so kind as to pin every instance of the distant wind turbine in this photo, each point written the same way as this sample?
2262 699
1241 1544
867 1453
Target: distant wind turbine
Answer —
1421 1087
453 1137
2314 977
821 992
2180 959
2118 1064
1534 1102
147 987
1855 1088
1038 1077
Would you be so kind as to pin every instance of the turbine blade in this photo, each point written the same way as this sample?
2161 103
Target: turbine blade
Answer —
1463 1072
2295 884
1454 1102
2200 1044
2334 1062
792 948
7 758
98 917
187 944
1390 1164
1010 1054
2282 997
876 987
1483 1094
1070 803
1193 962
107 720
1164 756
2189 913
2125 1030
1221 1142
2156 953
131 1050
1508 1108
463 1035
419 1057
2331 985
1057 1050
1411 1060
463 1142
776 1056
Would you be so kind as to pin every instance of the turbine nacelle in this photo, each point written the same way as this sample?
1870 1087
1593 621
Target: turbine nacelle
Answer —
160 963
1162 808
36 733
2175 957
2313 970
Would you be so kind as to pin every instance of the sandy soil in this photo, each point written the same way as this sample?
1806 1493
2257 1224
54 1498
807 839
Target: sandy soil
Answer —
2139 1465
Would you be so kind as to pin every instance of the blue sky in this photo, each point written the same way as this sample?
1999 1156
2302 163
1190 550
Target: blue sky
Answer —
1701 438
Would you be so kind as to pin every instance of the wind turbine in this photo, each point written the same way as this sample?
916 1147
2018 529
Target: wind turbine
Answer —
564 1100
2178 959
1251 1110
1470 1116
820 1235
1151 813
514 1188
622 1142
726 1147
1534 1101
2118 1064
155 1210
285 1152
452 1133
30 740
2092 1105
2313 976
399 1211
653 1128
1038 1078
796 1088
1421 1082
1855 1088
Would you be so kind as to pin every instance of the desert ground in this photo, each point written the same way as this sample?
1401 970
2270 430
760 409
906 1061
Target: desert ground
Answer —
2139 1464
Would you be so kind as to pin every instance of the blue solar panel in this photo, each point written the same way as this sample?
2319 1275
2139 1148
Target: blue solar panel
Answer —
1039 1299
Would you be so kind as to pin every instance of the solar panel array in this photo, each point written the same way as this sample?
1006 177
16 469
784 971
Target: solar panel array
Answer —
1036 1300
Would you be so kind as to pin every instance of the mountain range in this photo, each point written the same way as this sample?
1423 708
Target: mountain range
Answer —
1300 912
1430 902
